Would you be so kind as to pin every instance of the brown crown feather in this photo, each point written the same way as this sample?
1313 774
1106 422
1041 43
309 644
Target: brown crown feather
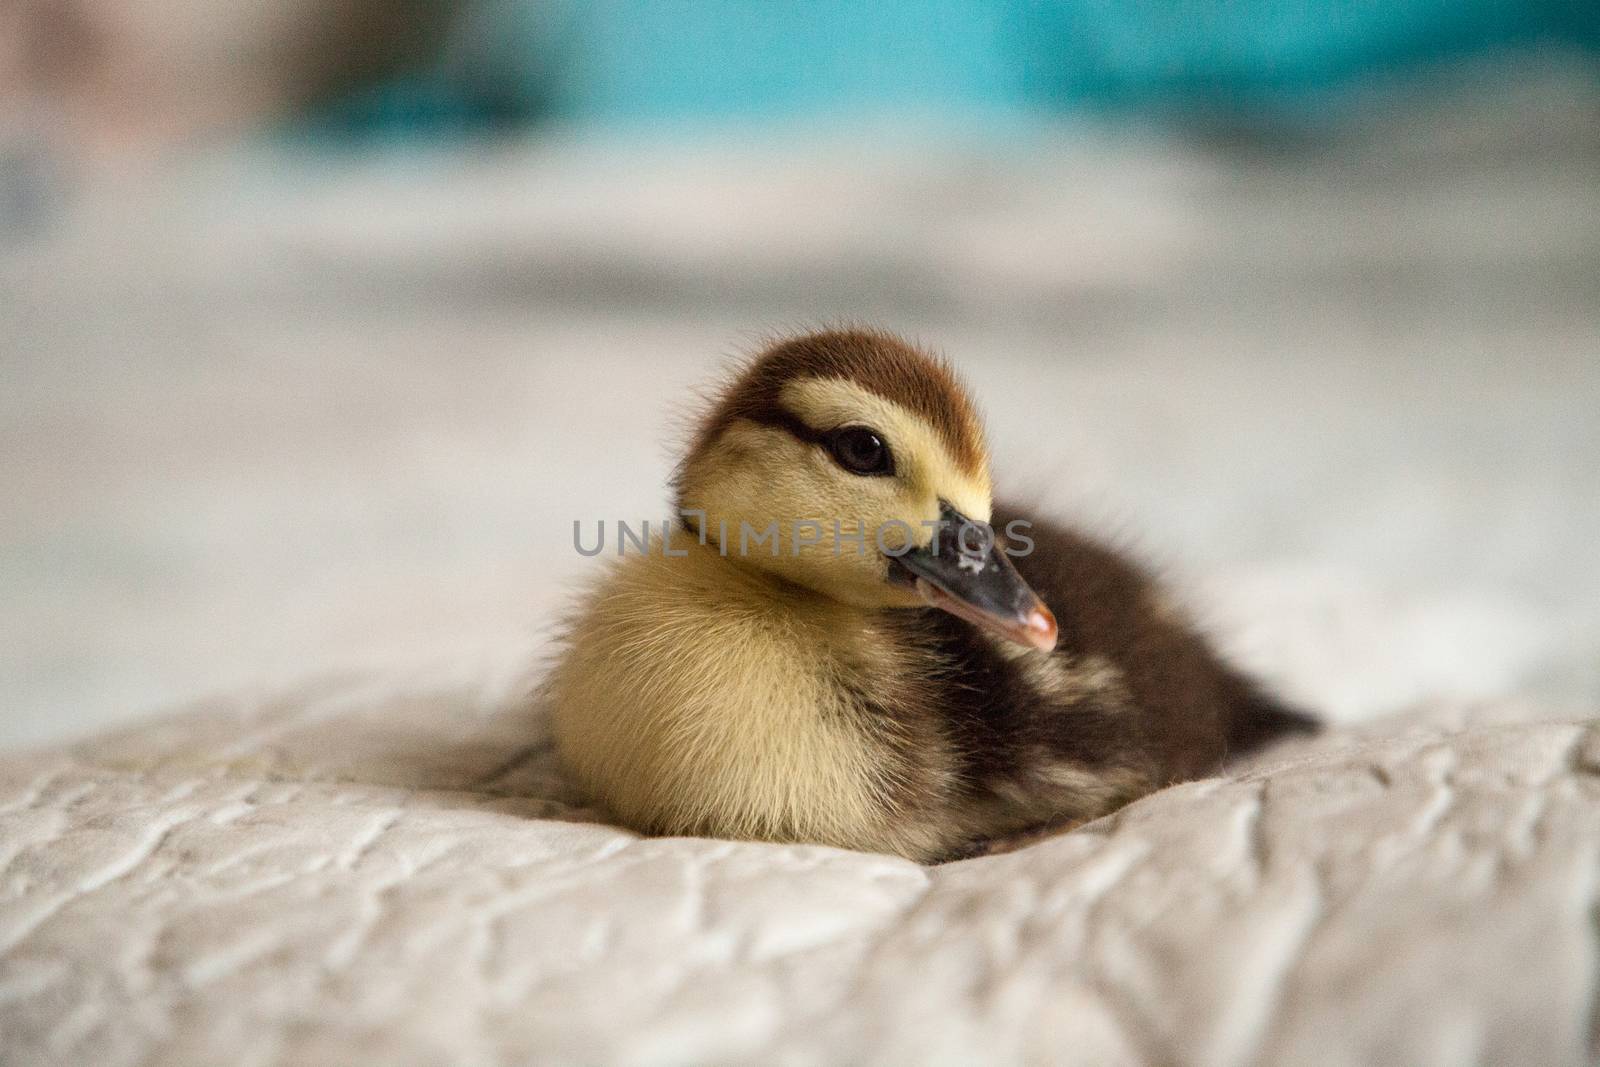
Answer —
876 360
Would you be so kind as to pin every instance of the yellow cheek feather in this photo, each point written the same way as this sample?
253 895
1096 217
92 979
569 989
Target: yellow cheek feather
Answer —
772 500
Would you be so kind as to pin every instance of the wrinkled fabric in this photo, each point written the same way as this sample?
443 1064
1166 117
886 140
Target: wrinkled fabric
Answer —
394 871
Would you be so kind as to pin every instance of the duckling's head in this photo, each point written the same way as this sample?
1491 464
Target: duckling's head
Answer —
853 464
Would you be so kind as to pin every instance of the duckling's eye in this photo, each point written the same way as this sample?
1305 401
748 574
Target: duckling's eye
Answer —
860 451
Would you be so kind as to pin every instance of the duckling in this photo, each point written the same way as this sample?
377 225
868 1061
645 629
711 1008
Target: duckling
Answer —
827 649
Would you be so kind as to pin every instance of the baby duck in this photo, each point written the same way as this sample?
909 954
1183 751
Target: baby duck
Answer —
879 675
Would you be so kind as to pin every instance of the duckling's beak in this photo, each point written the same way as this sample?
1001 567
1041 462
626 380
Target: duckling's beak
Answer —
971 577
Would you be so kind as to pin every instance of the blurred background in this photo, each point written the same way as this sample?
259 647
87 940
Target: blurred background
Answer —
321 321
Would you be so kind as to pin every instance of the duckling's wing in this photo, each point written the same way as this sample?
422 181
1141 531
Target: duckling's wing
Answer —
1198 709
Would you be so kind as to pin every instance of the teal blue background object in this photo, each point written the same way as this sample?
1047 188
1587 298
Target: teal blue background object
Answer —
627 62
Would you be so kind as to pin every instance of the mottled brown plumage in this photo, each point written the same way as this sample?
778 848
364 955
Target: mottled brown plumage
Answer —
811 694
1132 696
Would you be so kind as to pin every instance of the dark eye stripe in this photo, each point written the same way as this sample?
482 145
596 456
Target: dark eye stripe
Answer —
788 420
796 427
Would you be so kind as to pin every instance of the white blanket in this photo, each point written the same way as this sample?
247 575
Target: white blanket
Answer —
373 871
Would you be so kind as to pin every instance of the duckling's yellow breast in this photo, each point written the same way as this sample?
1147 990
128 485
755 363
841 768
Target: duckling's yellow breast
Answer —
695 697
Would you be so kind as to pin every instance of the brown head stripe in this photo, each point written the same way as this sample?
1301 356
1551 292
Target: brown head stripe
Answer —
879 362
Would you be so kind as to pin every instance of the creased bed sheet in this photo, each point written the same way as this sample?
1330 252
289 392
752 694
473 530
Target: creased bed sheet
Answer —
391 870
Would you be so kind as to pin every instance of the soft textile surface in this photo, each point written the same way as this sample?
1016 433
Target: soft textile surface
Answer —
384 872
